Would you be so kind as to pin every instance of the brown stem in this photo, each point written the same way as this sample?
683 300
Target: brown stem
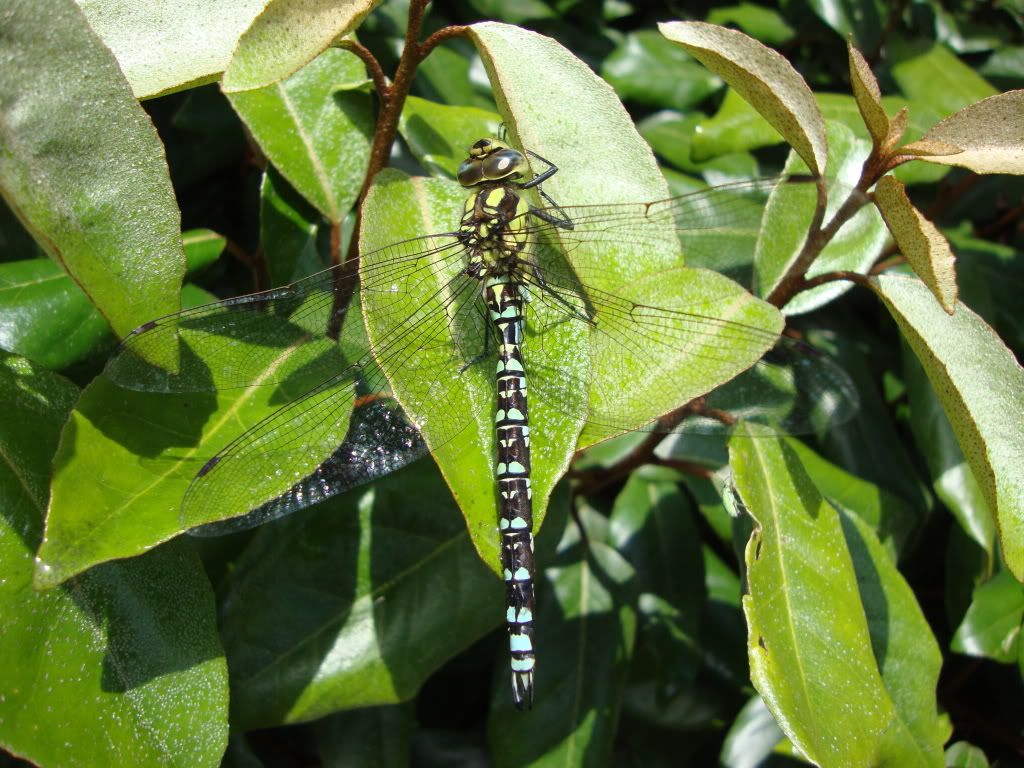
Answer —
831 277
380 80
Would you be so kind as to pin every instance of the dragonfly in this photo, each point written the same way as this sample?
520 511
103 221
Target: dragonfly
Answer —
377 357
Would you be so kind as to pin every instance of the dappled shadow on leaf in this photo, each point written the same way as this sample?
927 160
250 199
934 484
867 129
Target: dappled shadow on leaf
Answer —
872 592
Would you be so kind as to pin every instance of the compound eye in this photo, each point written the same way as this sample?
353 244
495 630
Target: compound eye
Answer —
502 164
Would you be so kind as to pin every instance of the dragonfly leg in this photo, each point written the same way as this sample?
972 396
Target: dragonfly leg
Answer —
559 219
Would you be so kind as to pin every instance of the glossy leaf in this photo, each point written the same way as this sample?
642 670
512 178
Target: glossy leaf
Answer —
354 603
126 457
286 36
922 244
439 135
585 627
989 133
913 67
45 317
752 737
991 629
648 69
315 127
790 212
290 231
765 24
981 387
99 200
762 77
101 671
167 45
202 248
833 627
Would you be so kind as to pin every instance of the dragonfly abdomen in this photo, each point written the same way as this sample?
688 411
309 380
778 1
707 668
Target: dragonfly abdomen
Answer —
515 506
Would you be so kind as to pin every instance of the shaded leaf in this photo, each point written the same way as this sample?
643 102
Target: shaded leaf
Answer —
98 200
752 737
914 67
291 231
354 603
315 129
765 24
286 36
121 666
990 133
375 736
439 135
922 244
167 45
762 77
981 387
963 754
991 628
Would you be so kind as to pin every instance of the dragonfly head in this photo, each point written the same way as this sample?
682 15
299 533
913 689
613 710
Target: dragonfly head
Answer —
491 160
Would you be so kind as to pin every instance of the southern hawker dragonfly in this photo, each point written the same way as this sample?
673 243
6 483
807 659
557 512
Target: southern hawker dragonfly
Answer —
505 297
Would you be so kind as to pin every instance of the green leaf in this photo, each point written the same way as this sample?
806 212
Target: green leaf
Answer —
765 24
752 737
952 479
837 643
45 317
991 628
121 666
439 135
375 736
989 133
895 522
762 77
93 190
168 45
868 96
315 127
290 231
286 36
789 214
650 70
914 64
126 457
586 623
981 387
202 248
963 754
354 603
923 245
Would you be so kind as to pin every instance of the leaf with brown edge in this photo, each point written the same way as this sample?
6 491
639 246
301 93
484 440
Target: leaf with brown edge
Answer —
868 96
990 134
764 78
981 387
925 247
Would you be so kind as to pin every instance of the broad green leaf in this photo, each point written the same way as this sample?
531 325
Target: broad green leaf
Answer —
762 77
286 36
790 212
752 738
981 387
291 231
584 636
202 248
914 65
895 522
45 317
83 167
452 74
126 457
440 135
652 526
454 404
952 479
648 69
989 132
868 96
963 754
863 22
168 45
120 666
765 24
315 127
835 633
354 603
991 628
924 247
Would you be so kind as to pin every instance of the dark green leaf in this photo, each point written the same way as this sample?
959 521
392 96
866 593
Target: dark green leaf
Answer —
765 24
752 738
439 135
963 754
367 738
93 190
914 64
367 594
202 248
120 666
290 231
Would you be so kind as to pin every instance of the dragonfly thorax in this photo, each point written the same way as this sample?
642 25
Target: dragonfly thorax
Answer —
492 230
491 160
